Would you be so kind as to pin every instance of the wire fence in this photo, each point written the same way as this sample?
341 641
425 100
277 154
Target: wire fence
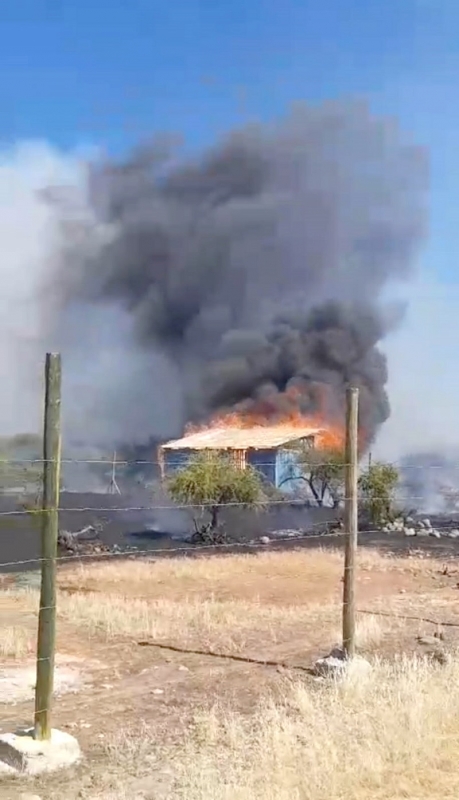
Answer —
298 539
70 710
47 505
153 502
16 712
108 461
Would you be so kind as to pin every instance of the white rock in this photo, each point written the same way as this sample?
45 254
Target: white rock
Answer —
329 667
453 534
336 665
427 523
22 754
265 539
409 531
436 534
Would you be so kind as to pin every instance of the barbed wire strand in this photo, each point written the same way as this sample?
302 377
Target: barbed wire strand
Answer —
191 549
284 501
227 656
210 653
109 462
274 663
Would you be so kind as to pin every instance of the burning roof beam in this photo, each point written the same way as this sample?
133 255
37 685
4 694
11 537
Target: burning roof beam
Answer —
258 438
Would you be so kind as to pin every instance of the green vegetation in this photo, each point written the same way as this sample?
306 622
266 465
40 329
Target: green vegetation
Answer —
211 480
377 486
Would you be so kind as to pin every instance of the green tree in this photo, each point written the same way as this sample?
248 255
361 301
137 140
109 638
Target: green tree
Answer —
211 480
377 485
323 472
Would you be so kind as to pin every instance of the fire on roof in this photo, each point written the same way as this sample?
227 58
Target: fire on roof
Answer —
258 438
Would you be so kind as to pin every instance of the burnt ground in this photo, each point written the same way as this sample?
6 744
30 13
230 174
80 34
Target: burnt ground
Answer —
131 522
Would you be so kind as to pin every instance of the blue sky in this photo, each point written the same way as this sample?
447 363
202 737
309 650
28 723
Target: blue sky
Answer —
110 72
72 69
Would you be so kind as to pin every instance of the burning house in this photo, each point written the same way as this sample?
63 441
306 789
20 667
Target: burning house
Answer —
267 448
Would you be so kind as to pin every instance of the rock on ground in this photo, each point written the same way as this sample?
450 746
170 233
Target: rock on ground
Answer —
22 754
411 527
336 665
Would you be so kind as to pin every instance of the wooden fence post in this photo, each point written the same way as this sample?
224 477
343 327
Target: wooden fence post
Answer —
49 533
351 520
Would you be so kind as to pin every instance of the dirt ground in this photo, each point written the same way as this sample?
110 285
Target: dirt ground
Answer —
145 646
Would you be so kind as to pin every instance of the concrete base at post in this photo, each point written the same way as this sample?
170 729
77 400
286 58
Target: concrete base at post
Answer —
22 754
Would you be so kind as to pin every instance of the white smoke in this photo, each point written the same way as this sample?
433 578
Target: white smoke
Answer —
424 372
104 382
27 237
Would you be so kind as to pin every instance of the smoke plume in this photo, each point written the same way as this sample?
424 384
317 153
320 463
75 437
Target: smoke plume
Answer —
254 272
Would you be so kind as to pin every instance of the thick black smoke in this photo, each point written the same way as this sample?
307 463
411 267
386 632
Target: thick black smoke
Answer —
259 265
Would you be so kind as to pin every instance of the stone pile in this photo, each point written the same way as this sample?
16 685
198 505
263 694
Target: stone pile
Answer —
69 543
409 526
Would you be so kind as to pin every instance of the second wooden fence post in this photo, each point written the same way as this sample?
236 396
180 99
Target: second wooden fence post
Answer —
350 520
49 533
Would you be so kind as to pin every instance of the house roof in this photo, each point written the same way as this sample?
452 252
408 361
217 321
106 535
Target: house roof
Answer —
260 437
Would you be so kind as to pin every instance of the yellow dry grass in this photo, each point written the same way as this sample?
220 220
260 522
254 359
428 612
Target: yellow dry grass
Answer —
228 626
389 735
284 577
227 603
15 642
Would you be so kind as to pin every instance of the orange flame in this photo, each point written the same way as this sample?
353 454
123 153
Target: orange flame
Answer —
279 410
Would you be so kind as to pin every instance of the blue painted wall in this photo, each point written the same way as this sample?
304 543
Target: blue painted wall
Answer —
288 472
176 459
265 462
278 467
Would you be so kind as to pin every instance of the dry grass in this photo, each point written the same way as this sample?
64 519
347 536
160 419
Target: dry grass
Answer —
281 578
370 631
231 602
392 734
389 735
227 626
16 643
